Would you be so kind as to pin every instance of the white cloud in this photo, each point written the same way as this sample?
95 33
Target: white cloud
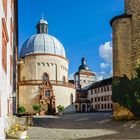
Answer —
71 76
104 65
102 75
105 52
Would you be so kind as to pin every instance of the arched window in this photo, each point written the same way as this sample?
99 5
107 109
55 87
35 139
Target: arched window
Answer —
71 98
64 79
45 77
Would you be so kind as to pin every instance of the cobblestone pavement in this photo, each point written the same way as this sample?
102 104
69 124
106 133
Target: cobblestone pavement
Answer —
82 126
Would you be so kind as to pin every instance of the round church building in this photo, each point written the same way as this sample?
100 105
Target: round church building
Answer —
43 74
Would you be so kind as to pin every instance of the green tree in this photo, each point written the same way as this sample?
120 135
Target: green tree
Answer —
127 91
21 110
37 107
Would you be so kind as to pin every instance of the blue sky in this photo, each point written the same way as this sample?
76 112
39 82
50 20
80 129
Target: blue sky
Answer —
82 26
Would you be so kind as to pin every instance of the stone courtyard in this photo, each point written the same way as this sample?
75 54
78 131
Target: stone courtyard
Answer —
83 126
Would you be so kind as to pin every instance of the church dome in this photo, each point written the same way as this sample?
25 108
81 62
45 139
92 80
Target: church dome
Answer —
83 66
42 42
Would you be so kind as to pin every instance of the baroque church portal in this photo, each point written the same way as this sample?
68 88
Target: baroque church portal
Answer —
43 73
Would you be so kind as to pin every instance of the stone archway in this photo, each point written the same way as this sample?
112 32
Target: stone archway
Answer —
47 99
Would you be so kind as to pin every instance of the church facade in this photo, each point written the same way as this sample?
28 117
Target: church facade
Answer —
43 73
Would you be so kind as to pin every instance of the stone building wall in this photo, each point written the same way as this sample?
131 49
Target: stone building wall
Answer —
132 6
135 50
31 71
101 98
126 39
8 42
122 47
33 68
29 95
86 80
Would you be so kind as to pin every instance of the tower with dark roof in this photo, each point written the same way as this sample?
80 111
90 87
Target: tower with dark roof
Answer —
84 77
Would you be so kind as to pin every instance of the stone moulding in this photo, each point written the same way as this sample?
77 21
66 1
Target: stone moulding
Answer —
47 54
39 82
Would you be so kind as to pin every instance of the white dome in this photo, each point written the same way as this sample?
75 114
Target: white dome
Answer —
42 43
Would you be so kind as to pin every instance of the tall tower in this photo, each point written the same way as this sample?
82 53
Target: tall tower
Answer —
84 77
133 7
126 39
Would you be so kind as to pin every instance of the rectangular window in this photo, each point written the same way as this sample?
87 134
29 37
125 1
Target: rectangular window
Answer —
105 106
11 69
95 99
5 7
96 107
91 92
4 52
101 89
104 89
11 33
102 98
108 106
47 93
107 88
0 104
5 39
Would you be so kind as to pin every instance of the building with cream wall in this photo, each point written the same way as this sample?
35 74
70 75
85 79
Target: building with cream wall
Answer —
83 79
100 95
8 56
43 63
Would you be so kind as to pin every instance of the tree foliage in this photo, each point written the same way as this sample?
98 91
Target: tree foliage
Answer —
126 92
60 108
21 109
37 107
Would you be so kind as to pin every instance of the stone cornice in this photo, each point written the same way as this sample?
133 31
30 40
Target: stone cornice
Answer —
40 82
47 54
118 17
